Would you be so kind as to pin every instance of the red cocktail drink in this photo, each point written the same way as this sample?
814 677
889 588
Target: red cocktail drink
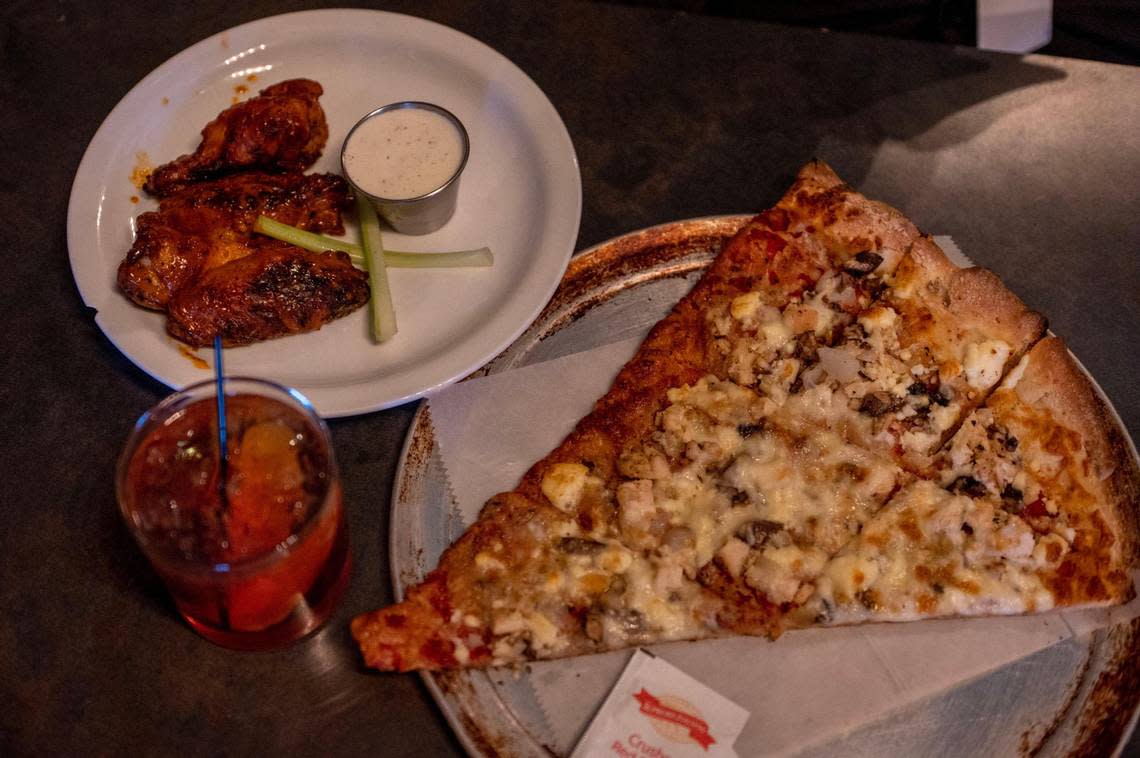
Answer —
254 552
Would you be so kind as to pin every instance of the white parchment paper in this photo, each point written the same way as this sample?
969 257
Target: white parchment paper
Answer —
809 686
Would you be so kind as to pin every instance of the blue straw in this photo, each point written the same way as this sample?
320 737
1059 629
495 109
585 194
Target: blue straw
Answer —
223 456
220 389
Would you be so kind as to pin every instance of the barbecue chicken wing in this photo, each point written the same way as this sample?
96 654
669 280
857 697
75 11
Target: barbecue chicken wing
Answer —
269 293
208 224
282 129
197 257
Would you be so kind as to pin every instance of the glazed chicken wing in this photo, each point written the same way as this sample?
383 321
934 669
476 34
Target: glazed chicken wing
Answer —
282 129
197 257
269 293
208 224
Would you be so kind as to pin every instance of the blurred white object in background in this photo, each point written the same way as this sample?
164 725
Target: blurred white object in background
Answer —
1014 26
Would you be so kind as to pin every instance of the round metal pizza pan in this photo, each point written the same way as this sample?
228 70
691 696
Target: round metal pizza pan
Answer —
1078 697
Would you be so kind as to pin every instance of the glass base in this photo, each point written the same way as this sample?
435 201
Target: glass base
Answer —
310 613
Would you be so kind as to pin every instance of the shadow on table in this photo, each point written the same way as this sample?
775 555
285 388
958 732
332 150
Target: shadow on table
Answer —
125 564
695 141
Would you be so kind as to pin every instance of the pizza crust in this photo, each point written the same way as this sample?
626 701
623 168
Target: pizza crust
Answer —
846 220
966 304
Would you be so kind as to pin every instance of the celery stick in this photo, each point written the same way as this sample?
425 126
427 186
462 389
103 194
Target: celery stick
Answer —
459 259
383 313
319 243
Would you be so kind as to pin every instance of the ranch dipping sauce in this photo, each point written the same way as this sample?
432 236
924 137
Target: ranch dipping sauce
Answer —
403 153
406 158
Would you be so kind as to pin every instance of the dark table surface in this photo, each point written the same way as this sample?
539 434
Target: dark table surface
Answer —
1033 164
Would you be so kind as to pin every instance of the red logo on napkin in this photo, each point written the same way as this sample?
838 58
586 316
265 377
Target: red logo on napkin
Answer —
675 719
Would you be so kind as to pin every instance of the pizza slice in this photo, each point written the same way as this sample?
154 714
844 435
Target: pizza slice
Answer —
576 559
1034 508
807 380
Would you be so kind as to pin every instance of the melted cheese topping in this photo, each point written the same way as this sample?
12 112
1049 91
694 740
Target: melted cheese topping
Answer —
780 503
761 344
984 362
1029 460
933 553
895 394
888 395
564 484
1015 373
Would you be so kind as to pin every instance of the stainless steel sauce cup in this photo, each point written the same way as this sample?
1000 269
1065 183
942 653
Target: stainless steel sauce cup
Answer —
423 213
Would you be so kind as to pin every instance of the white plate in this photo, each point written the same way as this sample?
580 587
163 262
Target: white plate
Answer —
521 194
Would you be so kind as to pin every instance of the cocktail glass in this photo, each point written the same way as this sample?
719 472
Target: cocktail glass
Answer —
253 547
